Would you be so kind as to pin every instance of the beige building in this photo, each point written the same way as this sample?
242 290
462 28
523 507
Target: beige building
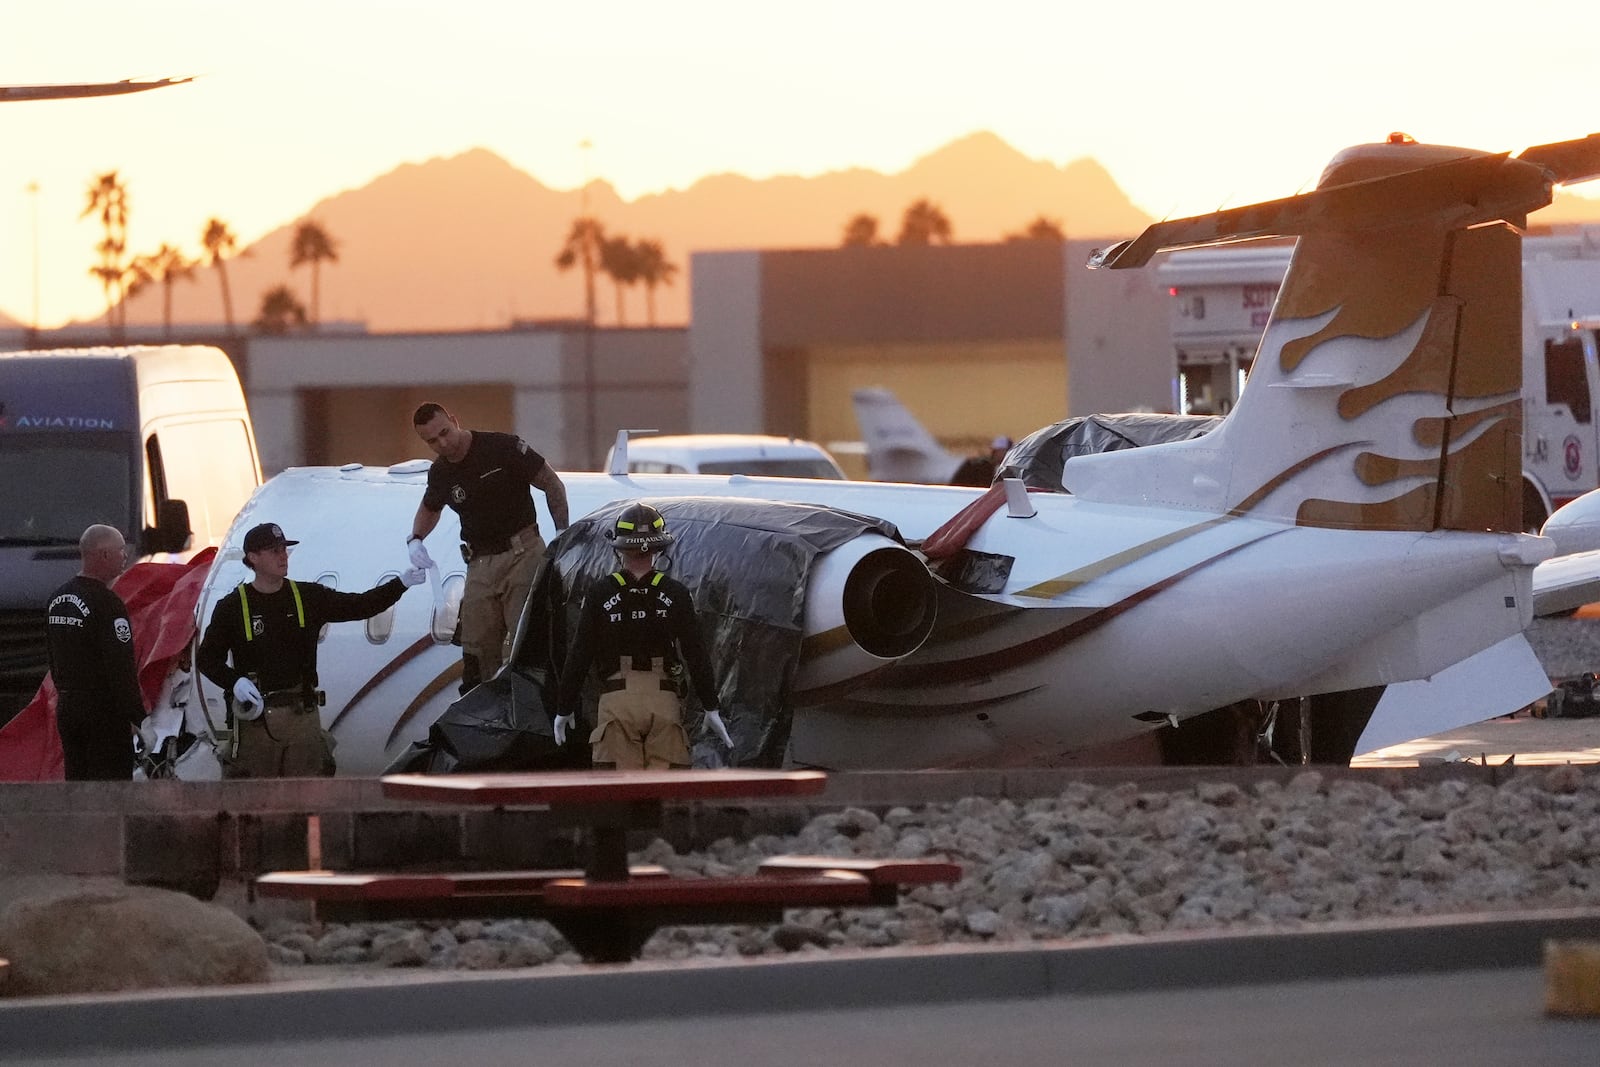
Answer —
343 398
976 340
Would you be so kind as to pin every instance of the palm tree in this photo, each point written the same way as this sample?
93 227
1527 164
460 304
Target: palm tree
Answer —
654 269
108 197
924 223
281 311
861 231
165 265
312 244
219 242
619 259
584 242
1040 229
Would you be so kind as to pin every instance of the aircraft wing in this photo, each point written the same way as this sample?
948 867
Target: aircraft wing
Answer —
9 93
1503 677
1566 582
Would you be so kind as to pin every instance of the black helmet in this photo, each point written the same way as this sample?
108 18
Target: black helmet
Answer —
640 528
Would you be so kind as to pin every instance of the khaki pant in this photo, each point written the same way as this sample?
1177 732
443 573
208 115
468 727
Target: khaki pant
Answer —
640 723
287 741
497 588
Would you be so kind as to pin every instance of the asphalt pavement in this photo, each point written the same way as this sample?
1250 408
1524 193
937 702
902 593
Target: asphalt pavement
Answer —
1461 1018
1458 991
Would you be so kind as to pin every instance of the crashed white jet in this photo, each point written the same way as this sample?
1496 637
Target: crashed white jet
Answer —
1352 525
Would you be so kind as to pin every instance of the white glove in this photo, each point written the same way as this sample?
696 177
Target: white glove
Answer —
247 701
149 738
562 725
714 720
413 576
419 553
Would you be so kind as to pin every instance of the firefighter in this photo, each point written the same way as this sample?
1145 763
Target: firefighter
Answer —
269 627
637 631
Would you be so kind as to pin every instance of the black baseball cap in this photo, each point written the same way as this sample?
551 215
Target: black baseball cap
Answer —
267 535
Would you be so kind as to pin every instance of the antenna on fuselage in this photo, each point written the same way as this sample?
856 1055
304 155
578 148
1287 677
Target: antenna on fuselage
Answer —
619 452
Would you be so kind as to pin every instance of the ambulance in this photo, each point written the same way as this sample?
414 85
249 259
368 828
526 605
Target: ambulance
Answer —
1222 297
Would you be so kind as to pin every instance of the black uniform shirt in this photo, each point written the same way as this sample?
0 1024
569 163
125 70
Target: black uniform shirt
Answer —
90 644
644 617
488 488
281 653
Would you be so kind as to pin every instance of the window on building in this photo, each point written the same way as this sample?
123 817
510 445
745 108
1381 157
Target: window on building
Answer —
1565 378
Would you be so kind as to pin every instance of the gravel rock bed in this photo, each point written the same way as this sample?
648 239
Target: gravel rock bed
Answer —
1099 860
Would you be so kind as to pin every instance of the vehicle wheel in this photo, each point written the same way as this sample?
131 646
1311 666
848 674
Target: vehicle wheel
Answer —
1533 511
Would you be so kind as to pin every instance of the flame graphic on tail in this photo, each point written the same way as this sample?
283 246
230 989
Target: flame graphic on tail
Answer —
1386 393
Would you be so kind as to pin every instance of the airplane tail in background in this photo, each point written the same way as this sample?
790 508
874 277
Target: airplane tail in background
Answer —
1387 390
899 448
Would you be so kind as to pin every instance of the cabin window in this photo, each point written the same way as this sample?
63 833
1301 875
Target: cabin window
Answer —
331 580
446 615
381 626
1566 380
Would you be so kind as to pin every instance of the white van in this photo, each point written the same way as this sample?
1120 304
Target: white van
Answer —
722 453
155 441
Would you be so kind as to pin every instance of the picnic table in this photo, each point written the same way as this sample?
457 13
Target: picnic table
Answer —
608 909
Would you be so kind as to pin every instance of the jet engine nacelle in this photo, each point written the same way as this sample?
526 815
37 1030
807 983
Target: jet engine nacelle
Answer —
1575 526
869 603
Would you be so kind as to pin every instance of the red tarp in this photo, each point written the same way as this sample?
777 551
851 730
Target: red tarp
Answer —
161 598
953 536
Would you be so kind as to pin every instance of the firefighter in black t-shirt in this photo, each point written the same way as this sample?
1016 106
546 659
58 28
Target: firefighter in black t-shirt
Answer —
636 628
269 627
90 643
485 476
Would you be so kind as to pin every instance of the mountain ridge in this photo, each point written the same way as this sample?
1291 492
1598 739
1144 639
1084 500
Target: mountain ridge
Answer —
469 241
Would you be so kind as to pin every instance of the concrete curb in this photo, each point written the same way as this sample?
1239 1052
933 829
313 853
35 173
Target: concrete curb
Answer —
62 1026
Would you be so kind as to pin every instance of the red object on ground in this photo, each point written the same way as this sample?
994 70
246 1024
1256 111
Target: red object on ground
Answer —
161 598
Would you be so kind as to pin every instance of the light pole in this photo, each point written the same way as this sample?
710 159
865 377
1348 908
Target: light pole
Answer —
33 192
590 452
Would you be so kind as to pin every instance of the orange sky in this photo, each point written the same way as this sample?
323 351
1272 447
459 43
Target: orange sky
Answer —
1189 105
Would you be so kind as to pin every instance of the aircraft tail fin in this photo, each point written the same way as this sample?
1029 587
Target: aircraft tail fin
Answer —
1387 390
899 448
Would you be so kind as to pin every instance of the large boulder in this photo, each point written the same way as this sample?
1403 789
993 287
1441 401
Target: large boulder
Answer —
128 937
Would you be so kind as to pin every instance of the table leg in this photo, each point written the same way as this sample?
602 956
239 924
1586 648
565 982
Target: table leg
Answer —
604 935
608 854
606 832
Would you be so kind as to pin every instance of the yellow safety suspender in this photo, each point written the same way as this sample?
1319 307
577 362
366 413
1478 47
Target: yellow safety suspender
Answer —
244 606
